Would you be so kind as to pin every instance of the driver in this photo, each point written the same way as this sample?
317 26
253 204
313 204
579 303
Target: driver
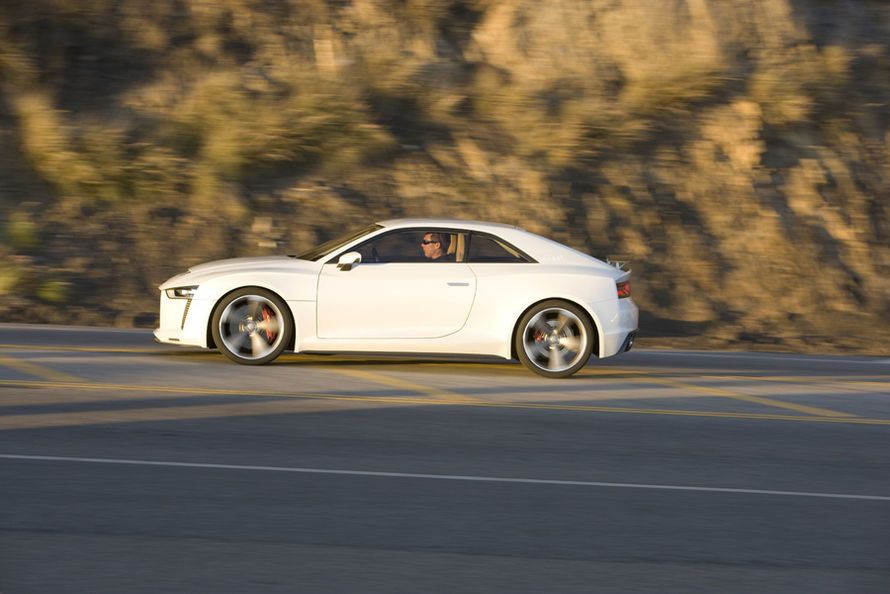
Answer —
435 247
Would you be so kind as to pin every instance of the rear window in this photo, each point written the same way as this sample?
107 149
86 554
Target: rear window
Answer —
484 248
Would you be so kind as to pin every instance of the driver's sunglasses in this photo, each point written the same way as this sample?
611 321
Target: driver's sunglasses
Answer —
428 241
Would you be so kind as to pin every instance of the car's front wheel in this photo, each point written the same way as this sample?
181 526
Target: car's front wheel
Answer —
554 339
252 326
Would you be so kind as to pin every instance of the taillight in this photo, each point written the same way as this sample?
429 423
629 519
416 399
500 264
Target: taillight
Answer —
623 289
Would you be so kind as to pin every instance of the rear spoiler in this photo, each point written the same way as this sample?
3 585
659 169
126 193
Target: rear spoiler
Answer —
621 262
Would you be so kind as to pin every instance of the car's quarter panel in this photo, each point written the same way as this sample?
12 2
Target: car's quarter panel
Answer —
394 300
620 317
505 291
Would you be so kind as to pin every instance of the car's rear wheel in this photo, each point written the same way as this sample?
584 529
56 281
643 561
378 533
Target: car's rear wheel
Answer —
554 339
252 326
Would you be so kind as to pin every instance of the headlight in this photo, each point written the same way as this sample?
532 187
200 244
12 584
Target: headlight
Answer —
181 292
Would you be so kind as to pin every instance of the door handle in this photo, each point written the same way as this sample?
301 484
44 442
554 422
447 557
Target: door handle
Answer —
451 284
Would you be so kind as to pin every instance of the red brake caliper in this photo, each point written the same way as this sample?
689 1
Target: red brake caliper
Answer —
266 318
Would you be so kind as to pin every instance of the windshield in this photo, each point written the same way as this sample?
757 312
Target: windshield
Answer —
329 246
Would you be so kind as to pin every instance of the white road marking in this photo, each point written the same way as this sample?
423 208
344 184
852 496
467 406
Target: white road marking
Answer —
447 477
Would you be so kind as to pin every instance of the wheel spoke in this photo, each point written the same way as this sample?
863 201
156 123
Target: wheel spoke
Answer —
258 345
561 320
556 362
571 343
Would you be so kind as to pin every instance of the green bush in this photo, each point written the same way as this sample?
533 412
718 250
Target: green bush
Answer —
21 232
53 291
9 279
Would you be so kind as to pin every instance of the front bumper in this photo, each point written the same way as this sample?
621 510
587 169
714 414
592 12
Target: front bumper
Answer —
183 321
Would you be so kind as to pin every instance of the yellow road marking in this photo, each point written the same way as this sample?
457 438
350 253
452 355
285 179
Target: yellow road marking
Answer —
847 384
488 367
43 347
419 363
212 391
378 378
401 384
6 419
654 378
724 393
857 379
37 370
135 415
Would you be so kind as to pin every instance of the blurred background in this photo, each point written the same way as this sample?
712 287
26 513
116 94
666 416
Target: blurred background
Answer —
737 152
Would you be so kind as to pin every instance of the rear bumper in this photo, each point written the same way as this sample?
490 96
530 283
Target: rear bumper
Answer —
629 342
619 328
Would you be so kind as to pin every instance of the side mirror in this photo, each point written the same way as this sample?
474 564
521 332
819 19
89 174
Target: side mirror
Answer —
348 260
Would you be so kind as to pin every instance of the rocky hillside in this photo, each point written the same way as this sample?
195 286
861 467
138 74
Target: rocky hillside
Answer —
737 152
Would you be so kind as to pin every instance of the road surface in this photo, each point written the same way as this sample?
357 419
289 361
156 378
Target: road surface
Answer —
127 466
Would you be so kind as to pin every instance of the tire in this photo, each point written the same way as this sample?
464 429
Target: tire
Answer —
252 326
554 338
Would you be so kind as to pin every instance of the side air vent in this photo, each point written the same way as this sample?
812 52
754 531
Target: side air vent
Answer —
185 313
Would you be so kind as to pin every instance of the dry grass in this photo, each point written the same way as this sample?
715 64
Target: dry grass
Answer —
153 135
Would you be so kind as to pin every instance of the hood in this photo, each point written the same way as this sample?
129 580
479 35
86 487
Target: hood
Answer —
201 272
235 264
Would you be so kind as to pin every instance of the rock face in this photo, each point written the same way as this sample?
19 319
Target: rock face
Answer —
738 153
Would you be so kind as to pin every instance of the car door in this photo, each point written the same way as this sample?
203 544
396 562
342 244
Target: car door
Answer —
396 291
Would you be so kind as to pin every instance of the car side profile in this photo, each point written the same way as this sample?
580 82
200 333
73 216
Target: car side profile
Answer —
429 286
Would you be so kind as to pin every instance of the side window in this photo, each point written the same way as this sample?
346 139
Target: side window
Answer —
414 245
488 249
400 246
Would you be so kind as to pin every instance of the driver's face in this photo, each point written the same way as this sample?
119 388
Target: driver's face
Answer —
432 246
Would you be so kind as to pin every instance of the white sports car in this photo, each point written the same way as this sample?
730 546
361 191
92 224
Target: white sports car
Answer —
410 286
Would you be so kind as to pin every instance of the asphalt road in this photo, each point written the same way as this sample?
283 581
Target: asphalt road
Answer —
127 466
